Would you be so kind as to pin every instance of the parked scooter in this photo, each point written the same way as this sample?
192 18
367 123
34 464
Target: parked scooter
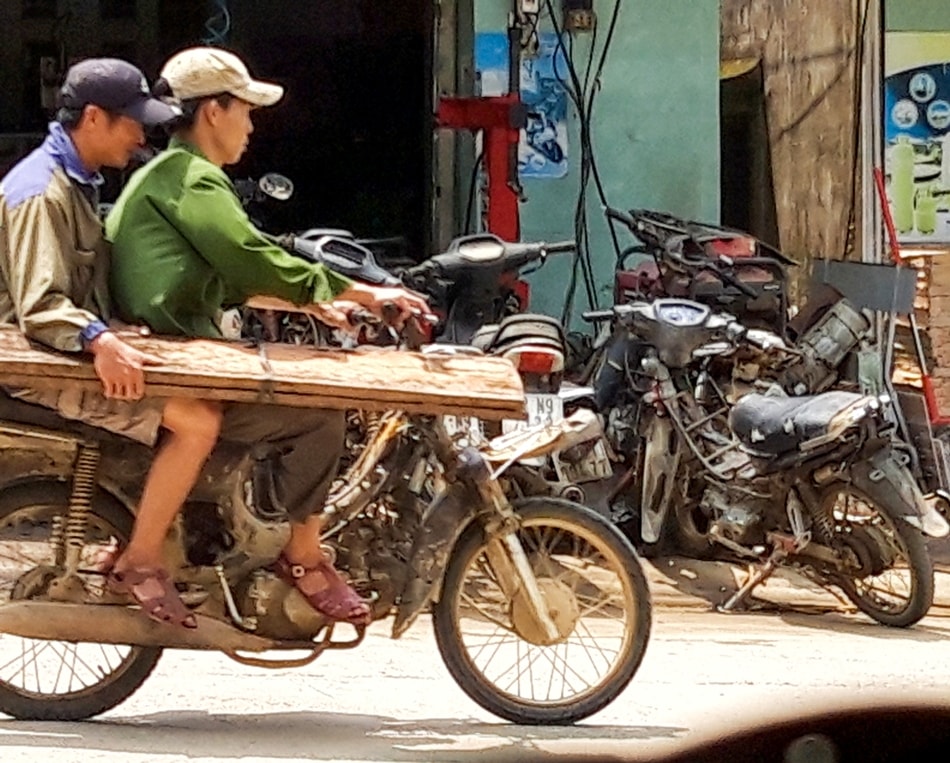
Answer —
517 587
721 470
475 289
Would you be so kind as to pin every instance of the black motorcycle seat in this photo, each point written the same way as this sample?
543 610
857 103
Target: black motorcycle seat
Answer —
519 330
775 425
31 414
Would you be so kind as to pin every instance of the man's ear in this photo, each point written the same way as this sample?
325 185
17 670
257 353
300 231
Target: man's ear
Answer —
208 111
91 115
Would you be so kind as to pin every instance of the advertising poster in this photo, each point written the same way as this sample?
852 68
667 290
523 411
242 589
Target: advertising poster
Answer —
917 134
543 149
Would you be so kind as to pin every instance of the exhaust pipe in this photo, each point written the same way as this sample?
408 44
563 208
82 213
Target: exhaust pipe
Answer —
115 624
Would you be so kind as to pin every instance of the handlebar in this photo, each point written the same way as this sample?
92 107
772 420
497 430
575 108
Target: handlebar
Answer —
598 316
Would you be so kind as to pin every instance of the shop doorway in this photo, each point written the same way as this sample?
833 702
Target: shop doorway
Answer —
746 183
354 131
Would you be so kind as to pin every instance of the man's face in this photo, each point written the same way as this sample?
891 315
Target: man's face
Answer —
118 138
232 129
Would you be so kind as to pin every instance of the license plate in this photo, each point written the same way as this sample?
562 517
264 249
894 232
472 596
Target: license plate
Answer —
541 409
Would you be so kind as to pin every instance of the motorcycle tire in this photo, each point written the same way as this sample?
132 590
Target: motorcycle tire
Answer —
877 540
28 513
561 540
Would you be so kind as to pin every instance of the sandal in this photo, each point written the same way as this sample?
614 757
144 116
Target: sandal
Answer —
155 593
334 598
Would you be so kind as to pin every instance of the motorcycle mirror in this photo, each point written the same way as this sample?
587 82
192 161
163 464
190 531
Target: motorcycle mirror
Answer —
276 186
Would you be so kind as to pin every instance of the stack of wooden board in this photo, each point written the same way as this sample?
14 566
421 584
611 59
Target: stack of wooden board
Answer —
369 379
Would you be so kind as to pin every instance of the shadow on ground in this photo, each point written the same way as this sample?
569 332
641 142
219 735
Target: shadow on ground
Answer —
324 737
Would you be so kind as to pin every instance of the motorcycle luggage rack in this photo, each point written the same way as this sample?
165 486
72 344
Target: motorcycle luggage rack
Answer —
708 460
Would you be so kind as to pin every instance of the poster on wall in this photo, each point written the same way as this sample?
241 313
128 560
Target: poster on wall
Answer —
917 134
542 152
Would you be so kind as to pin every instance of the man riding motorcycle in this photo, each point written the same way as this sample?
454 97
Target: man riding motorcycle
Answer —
54 264
183 251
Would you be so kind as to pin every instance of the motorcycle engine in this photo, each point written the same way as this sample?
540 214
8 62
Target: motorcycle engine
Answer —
735 516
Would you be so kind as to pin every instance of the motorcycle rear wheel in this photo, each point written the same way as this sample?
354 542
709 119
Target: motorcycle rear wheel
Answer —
55 680
588 573
895 583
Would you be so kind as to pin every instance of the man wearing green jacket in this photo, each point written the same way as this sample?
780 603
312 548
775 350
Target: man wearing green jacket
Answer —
184 250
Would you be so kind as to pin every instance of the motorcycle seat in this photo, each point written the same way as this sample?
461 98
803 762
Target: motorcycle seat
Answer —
518 330
772 426
31 414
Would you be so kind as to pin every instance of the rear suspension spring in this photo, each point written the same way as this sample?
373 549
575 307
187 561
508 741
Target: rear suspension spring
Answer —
80 503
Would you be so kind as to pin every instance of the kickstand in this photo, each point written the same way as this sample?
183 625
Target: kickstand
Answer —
777 556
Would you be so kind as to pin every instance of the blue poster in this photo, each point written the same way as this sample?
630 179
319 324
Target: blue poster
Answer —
542 152
917 135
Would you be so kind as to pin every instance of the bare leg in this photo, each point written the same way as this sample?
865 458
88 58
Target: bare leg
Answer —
304 544
192 433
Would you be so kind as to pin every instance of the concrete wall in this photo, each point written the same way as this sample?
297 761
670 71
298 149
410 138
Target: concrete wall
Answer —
655 132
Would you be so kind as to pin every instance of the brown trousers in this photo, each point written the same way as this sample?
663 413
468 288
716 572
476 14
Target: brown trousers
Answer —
307 443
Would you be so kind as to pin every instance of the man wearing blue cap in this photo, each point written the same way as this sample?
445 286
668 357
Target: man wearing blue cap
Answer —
54 286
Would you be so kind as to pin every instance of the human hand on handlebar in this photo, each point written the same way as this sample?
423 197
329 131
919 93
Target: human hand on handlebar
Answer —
336 314
393 305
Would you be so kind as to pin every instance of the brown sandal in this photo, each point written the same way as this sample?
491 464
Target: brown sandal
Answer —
335 598
155 593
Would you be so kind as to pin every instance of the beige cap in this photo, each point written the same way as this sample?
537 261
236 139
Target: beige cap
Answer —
199 72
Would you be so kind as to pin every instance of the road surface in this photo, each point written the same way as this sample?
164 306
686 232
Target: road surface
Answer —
394 700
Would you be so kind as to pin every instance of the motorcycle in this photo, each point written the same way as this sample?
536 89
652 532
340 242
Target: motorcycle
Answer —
475 289
517 589
726 465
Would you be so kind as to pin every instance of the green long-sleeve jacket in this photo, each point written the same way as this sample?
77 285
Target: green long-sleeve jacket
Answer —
183 249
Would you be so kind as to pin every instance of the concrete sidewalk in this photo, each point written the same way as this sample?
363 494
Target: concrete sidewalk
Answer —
688 584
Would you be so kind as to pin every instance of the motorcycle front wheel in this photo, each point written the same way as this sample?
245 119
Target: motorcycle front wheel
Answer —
597 593
59 680
893 576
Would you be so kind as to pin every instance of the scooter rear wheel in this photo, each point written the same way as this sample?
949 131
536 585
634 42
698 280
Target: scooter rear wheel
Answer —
57 680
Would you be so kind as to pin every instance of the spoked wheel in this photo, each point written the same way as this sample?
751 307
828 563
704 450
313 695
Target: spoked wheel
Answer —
596 594
893 578
56 680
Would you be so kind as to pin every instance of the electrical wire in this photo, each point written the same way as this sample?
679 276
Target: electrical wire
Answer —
218 26
471 192
582 94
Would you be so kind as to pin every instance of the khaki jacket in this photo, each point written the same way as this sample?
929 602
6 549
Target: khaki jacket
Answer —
53 262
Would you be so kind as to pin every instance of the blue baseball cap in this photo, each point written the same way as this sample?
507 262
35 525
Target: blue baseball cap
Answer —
116 86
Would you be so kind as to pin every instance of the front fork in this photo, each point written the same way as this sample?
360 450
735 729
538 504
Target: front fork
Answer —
506 555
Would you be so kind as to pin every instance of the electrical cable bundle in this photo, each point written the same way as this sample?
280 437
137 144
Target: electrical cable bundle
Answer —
582 93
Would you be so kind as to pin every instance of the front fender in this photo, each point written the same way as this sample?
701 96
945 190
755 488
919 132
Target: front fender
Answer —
441 526
885 474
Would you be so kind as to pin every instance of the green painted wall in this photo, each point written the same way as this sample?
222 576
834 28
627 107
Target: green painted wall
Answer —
917 15
655 132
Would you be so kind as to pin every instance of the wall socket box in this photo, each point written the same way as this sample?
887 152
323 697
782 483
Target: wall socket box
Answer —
578 15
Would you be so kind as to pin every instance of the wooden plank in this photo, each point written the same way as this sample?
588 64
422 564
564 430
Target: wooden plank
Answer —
371 378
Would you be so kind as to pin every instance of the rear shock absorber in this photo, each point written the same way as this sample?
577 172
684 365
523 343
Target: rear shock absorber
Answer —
80 502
